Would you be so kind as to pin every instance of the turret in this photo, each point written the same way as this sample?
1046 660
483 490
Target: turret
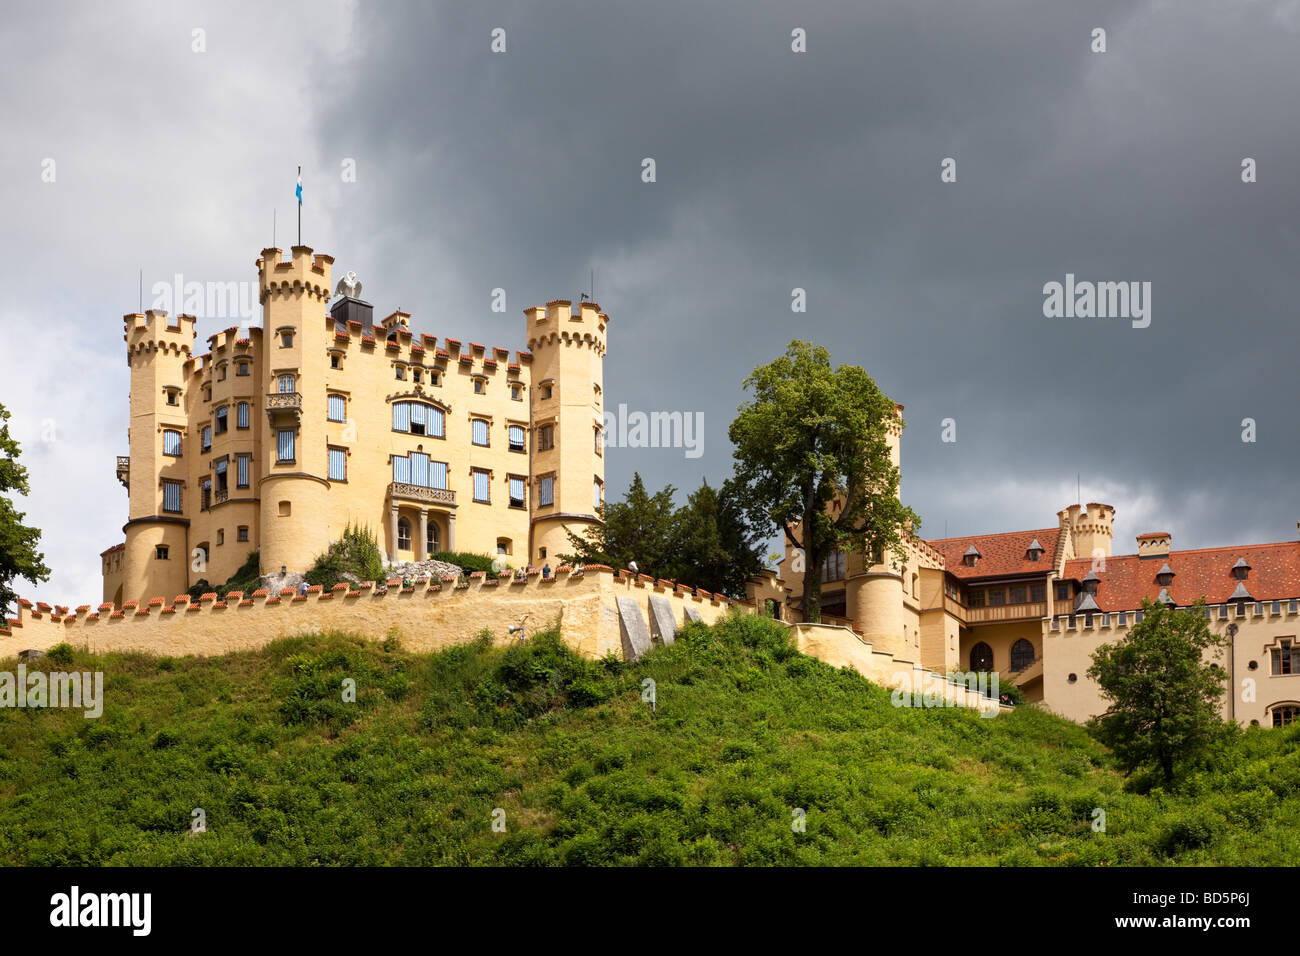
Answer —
567 412
1090 529
155 473
296 334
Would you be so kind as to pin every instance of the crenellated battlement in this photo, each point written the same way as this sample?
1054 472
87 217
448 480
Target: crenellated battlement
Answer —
430 614
556 322
1114 622
301 274
152 331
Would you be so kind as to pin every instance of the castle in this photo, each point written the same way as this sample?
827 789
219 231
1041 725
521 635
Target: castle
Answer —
1033 605
277 438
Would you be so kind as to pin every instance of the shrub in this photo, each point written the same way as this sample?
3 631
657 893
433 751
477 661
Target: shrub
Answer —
1197 829
356 553
60 654
464 560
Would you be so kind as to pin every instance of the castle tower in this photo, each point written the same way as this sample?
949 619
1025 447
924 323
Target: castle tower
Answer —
873 596
1091 529
567 413
156 557
295 339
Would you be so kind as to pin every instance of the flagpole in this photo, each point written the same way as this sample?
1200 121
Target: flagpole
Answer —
300 207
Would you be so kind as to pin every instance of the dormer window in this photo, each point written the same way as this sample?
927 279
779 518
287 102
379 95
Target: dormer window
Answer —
1090 583
971 556
1241 570
1239 597
1035 551
1165 599
1165 575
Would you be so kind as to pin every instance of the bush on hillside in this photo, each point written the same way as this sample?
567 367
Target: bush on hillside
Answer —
464 560
246 579
356 553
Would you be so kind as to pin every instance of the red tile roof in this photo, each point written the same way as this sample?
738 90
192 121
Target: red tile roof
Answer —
1001 555
1206 572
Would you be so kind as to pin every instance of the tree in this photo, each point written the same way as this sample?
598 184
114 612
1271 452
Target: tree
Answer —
18 555
641 528
810 435
1164 694
719 549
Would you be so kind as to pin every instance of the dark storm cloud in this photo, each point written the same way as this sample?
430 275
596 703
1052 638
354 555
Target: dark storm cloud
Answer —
820 170
775 170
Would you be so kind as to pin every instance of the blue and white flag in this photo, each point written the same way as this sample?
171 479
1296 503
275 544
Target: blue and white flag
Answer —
299 189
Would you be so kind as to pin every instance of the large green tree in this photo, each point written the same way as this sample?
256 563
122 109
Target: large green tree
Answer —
1164 689
707 543
18 555
811 432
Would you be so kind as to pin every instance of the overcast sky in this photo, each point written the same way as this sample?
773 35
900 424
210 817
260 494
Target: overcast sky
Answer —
775 170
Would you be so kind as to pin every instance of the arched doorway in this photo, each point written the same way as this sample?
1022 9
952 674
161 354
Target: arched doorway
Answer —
981 657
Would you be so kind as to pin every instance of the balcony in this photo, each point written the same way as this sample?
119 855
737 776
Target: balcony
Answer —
124 471
1006 612
398 491
284 408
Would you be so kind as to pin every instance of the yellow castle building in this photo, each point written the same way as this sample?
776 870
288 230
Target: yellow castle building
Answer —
1033 605
277 438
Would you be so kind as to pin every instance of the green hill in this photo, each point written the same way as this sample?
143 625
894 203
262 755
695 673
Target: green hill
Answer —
744 732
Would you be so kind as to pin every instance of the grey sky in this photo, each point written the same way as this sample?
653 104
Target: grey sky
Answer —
775 170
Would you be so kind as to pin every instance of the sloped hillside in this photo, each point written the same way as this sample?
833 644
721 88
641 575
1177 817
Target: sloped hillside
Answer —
745 738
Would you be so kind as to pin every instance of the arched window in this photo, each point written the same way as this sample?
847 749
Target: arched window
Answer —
1022 655
432 542
981 657
1285 714
403 534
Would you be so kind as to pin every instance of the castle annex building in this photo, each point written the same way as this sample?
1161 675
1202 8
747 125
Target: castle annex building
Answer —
1033 605
323 418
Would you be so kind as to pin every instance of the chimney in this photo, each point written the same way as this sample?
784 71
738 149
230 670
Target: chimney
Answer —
1153 544
348 309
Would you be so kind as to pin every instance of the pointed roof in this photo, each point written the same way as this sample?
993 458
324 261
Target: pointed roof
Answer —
1240 593
1165 569
1086 603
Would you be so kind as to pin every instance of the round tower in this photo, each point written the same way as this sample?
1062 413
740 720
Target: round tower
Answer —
567 414
155 561
296 335
874 601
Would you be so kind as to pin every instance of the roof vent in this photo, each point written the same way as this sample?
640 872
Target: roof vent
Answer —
971 556
1035 550
1164 598
1091 582
1241 570
1086 604
1240 594
1165 575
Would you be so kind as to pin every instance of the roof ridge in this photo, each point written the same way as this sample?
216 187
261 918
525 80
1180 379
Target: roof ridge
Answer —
995 534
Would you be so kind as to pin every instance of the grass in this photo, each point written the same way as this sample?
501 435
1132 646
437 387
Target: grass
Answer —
745 731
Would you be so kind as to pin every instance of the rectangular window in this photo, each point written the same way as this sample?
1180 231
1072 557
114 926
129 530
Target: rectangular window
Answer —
222 485
1018 595
172 443
975 599
241 413
600 446
595 502
242 463
172 497
546 492
1037 593
833 566
481 486
419 419
243 532
546 438
207 438
160 552
286 384
221 372
338 464
1062 591
478 386
516 492
516 436
221 420
337 408
402 470
997 597
205 496
438 475
1286 658
402 417
284 444
286 340
479 432
419 469
241 369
